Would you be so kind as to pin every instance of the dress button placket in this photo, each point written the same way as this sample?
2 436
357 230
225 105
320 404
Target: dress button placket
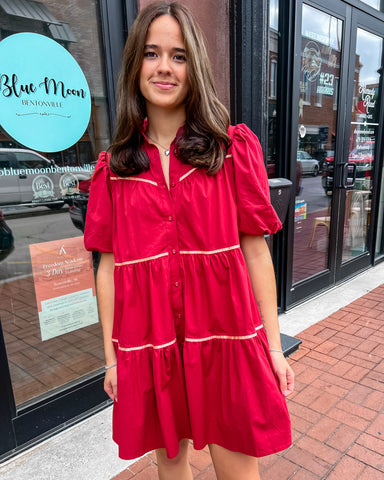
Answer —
176 290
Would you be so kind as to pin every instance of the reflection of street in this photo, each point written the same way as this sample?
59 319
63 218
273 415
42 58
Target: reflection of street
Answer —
38 366
33 226
313 193
311 232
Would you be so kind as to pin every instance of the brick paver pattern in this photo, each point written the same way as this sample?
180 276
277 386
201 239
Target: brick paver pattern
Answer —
337 409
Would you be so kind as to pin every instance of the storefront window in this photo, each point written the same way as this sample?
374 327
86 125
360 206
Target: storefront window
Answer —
48 306
373 3
272 87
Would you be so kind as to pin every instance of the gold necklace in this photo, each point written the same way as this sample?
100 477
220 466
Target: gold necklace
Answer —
166 150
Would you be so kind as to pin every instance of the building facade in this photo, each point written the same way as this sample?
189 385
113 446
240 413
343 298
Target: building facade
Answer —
305 75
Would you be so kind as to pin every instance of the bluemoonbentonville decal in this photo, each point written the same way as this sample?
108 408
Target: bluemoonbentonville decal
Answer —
45 103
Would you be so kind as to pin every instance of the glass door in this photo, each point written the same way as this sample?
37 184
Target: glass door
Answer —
320 70
365 74
322 38
335 127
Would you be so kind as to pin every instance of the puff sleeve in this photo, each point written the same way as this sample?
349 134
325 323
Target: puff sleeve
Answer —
256 215
98 224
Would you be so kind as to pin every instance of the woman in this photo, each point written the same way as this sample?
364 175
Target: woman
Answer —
186 288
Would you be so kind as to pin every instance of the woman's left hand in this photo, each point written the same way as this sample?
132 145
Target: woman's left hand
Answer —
284 373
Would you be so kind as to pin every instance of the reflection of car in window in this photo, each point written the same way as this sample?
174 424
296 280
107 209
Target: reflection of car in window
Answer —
362 157
6 238
79 202
28 178
309 165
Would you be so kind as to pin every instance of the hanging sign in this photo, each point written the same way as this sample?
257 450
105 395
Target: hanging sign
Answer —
45 102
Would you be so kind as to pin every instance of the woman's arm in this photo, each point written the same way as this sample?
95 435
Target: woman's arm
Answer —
261 272
105 300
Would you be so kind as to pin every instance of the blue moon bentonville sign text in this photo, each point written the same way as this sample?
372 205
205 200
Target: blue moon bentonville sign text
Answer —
45 102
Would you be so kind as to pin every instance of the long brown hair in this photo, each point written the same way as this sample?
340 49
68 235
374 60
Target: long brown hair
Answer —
204 140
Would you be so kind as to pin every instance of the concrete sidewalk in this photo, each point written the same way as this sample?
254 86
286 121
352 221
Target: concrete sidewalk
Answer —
337 409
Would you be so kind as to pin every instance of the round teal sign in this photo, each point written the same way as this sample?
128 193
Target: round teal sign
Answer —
45 103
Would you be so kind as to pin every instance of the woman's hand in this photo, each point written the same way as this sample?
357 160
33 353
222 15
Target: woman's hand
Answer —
110 383
284 373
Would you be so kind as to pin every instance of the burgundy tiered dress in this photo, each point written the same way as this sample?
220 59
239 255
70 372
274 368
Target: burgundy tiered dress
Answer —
192 354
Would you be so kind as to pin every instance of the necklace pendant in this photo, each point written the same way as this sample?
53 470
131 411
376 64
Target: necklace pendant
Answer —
166 152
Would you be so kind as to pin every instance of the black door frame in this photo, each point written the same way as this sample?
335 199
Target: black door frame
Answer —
25 426
349 12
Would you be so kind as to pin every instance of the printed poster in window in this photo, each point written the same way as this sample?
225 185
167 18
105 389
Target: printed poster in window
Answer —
64 286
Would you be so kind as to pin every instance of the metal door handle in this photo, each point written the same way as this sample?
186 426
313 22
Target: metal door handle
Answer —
348 182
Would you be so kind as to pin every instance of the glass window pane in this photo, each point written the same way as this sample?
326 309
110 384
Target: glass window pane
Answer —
362 142
321 38
272 168
373 3
48 309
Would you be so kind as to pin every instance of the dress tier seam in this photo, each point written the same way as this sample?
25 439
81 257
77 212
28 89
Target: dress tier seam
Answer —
208 252
191 340
188 173
196 168
151 182
141 260
136 179
224 337
182 252
148 345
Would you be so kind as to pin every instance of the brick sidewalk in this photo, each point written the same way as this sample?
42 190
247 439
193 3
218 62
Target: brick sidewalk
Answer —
337 410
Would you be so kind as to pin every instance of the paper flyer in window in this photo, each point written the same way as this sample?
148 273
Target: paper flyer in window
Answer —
64 286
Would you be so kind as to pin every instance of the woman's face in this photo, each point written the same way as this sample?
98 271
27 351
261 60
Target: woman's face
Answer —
163 76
